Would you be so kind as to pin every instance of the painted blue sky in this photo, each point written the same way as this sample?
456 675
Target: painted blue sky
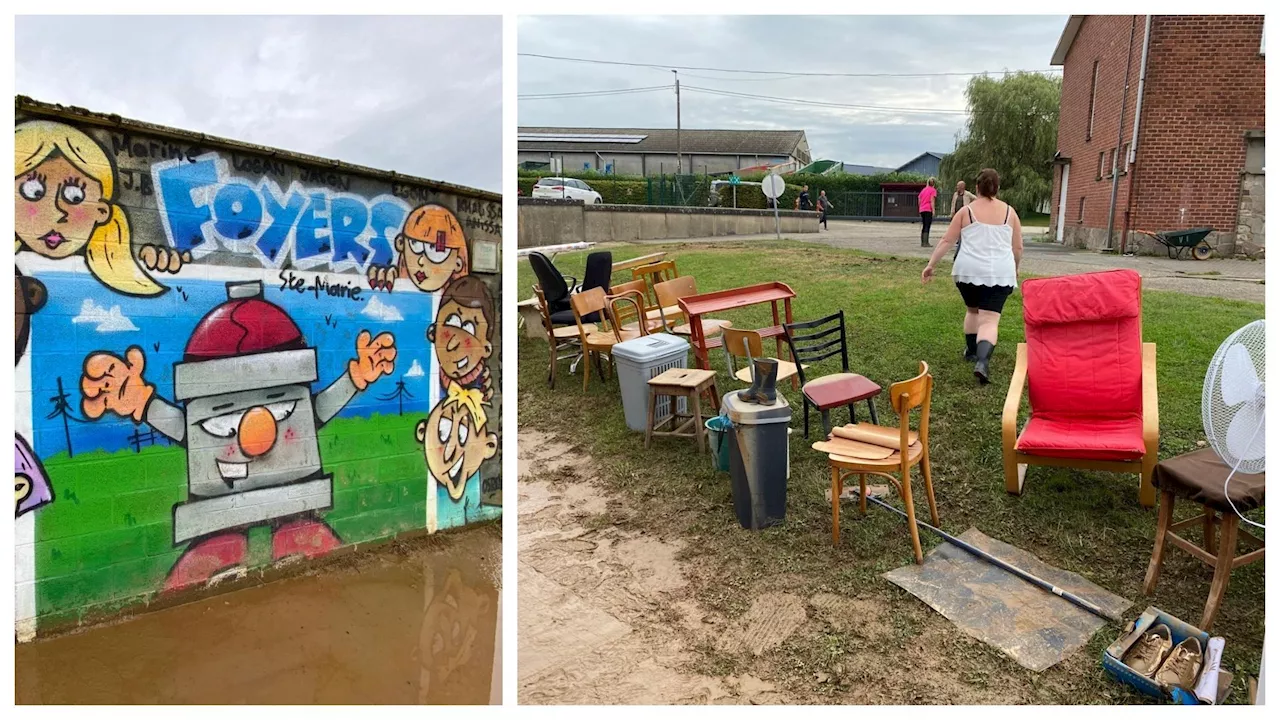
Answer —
82 317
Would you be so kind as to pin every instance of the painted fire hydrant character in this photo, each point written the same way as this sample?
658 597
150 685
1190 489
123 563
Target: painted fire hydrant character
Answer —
462 335
456 440
31 486
432 251
249 424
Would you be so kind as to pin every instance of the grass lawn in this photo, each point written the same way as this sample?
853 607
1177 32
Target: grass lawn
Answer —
1086 522
1034 220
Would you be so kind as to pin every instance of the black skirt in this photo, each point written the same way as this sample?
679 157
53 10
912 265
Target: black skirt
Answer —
984 297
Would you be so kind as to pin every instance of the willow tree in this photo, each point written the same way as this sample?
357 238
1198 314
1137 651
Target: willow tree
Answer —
1012 127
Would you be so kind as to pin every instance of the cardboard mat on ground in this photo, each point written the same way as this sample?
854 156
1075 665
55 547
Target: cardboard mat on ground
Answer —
1034 627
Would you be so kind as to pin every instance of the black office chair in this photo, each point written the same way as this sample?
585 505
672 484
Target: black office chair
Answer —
555 288
599 272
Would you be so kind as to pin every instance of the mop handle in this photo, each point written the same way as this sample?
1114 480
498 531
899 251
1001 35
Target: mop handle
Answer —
1042 584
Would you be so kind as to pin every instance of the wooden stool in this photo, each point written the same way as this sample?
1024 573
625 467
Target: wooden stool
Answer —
1198 476
681 383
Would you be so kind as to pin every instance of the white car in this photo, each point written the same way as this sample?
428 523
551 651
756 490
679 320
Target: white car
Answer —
566 189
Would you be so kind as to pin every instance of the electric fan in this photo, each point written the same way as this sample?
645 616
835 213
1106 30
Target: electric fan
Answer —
1233 404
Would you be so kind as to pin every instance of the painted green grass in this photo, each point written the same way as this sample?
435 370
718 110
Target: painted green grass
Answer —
1090 523
107 539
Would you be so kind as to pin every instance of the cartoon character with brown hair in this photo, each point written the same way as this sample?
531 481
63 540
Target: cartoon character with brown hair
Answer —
432 248
463 335
30 482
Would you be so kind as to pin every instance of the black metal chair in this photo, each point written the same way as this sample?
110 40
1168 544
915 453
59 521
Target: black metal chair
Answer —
555 289
599 272
814 341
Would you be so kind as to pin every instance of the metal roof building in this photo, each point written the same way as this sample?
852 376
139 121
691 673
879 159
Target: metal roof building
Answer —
649 151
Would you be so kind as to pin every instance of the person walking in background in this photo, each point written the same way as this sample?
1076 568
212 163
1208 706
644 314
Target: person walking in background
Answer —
804 199
986 268
824 205
926 200
960 199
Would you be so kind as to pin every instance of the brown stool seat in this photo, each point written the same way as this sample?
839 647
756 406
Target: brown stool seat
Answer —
687 383
1198 476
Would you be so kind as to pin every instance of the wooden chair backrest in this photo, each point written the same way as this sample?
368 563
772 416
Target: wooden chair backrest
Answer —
733 343
654 273
636 286
625 308
587 302
908 395
672 290
544 312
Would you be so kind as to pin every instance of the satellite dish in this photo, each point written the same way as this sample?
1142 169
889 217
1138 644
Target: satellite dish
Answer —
1234 401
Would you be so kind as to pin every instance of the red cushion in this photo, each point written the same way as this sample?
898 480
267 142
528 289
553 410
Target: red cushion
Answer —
839 389
1084 344
1085 438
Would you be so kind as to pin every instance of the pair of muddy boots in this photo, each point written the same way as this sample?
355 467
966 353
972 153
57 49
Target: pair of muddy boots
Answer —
979 353
764 383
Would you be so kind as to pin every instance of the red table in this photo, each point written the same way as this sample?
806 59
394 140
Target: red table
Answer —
695 306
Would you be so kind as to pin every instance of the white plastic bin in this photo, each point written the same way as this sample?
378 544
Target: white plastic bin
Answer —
639 360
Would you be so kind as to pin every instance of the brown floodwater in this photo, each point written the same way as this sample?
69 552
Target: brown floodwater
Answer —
415 625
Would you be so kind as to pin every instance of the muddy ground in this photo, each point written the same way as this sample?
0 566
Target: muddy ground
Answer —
612 612
403 623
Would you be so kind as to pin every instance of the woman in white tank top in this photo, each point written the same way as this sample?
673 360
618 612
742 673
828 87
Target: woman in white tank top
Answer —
986 268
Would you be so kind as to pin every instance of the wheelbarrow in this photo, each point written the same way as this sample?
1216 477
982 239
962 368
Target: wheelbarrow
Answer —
1175 241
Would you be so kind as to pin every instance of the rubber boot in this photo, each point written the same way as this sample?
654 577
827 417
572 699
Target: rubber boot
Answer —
971 347
981 368
764 388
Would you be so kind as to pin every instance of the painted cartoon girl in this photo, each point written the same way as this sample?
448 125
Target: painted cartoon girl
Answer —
64 194
432 250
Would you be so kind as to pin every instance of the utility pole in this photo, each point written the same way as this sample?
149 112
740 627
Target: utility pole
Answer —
679 154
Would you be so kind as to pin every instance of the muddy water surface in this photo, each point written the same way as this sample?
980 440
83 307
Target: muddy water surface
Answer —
415 624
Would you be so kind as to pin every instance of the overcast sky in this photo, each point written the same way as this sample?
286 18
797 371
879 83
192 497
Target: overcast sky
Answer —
417 95
897 44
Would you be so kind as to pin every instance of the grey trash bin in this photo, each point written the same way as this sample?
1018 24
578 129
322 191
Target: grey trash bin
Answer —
759 462
639 360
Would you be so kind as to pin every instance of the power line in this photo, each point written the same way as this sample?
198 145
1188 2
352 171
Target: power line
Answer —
821 103
594 93
787 73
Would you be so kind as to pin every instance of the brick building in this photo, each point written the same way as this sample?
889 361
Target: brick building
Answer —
1194 158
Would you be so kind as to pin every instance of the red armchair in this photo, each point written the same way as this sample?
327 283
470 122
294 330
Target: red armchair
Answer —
1091 381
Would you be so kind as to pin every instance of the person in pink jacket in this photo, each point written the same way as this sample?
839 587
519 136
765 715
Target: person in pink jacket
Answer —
928 196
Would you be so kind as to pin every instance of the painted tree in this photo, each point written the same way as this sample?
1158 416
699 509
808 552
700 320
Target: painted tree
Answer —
1013 128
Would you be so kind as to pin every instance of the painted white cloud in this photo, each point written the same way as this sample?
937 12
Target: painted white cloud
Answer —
107 320
415 370
381 311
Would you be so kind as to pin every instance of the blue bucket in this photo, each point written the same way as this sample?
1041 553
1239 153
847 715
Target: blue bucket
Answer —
717 437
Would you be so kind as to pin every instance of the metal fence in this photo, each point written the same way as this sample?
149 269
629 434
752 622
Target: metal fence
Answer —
884 205
677 190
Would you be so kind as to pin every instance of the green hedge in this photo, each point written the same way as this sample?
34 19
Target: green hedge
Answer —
613 189
750 196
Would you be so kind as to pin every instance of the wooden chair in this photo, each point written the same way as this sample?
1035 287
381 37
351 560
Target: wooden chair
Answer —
601 341
848 456
1199 476
821 339
654 273
564 337
668 295
1090 379
626 308
636 288
748 344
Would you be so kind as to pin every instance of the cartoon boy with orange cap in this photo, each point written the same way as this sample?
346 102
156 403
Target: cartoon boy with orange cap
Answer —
249 424
432 251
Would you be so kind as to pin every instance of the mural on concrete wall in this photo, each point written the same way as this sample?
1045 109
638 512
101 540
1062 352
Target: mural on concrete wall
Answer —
226 361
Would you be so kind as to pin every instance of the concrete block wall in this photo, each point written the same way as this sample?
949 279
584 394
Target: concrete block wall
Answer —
230 358
553 222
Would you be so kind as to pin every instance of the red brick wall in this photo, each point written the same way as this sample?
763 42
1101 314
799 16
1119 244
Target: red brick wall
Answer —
1204 87
1105 39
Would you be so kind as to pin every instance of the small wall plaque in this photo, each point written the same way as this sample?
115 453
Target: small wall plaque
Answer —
484 256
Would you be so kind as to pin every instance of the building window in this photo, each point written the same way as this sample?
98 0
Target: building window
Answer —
1111 163
1255 160
1262 44
1124 161
1102 158
1093 100
1080 217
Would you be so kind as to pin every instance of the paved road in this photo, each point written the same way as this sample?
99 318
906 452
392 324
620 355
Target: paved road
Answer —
1236 279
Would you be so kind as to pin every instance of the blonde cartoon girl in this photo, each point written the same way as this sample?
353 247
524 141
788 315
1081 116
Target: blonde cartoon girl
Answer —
64 194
